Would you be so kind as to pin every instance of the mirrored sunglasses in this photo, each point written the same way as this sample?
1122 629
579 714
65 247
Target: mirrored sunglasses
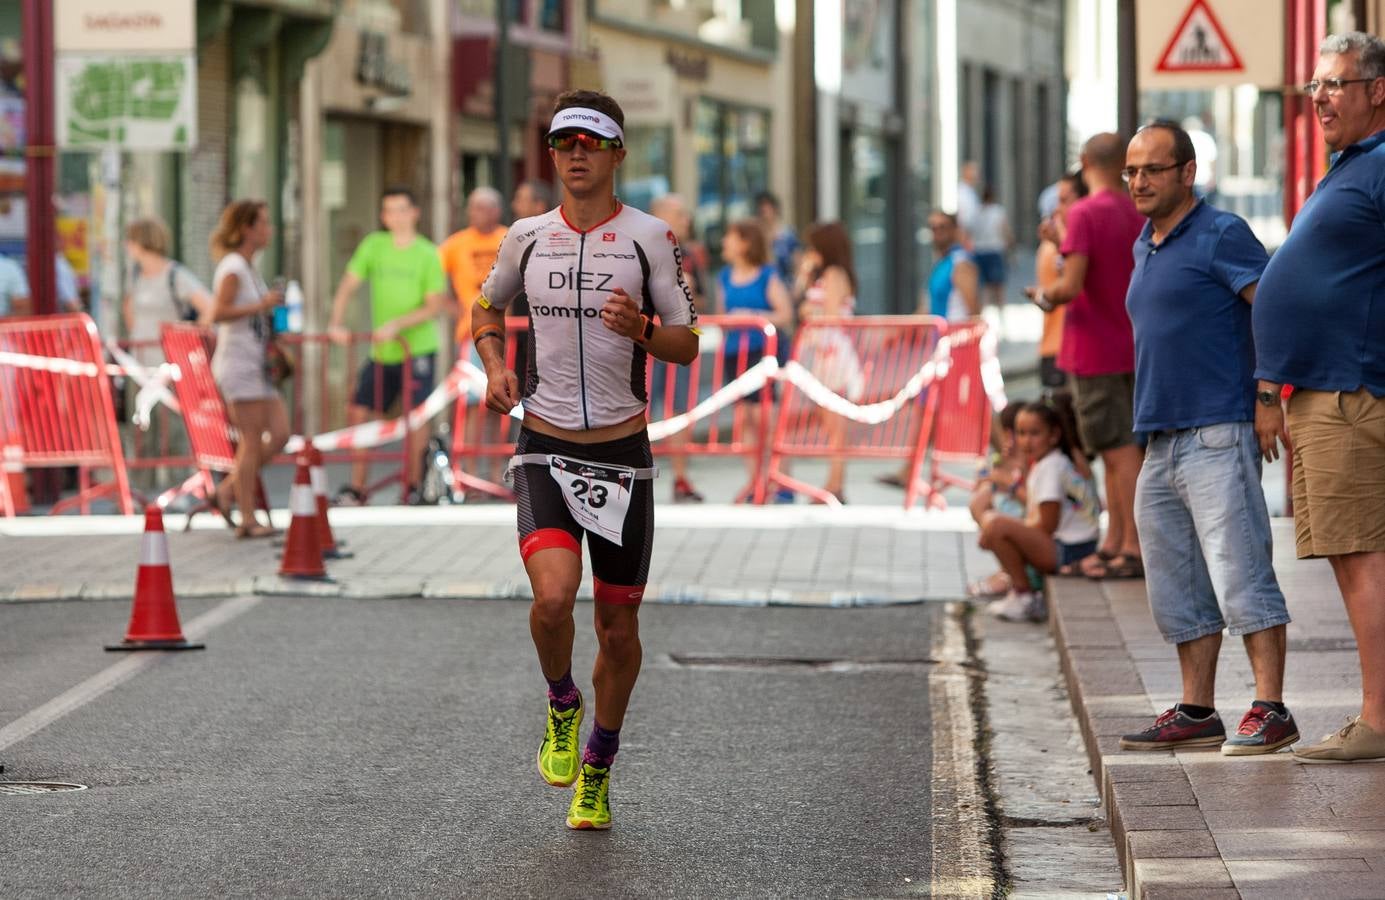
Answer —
565 142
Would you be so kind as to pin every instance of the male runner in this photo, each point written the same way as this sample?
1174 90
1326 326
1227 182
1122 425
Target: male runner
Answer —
597 273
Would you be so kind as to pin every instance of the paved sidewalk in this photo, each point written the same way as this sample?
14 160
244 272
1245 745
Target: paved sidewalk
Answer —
1200 824
745 556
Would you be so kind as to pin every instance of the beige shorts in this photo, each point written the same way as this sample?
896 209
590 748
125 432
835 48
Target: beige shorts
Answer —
1339 471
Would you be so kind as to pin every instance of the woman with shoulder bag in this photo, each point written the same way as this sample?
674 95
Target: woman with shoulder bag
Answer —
242 314
158 290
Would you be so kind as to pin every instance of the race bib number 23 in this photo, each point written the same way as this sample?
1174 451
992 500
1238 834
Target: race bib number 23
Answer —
597 495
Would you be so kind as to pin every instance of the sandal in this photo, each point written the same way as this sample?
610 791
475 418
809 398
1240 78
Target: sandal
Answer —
891 480
255 531
1077 569
1121 567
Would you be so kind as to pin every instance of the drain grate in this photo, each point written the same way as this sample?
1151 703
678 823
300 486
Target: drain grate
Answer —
37 787
699 661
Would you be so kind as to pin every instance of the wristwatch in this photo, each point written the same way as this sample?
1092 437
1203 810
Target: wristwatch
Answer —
648 329
1267 398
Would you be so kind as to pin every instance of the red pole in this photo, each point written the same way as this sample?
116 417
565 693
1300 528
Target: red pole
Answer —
41 247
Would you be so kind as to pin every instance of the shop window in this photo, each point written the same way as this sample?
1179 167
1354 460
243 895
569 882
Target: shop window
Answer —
647 172
553 15
732 144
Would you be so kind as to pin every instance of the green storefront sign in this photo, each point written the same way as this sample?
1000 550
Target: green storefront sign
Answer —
142 102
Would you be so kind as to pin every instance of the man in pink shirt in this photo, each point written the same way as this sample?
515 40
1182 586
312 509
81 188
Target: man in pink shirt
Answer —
1099 345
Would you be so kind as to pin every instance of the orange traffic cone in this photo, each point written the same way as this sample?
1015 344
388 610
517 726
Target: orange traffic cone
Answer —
12 471
154 620
302 547
318 476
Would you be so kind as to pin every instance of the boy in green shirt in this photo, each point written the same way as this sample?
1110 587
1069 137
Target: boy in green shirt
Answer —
408 291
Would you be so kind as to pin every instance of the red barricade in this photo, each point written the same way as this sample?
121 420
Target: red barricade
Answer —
55 404
863 360
483 440
732 427
189 348
163 445
325 379
962 424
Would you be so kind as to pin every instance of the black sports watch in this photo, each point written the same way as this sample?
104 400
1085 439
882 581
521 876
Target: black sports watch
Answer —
648 329
1267 398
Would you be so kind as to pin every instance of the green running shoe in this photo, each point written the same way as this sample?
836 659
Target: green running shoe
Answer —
591 807
559 755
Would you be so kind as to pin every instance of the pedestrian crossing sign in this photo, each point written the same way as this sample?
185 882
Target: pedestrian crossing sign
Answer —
1199 44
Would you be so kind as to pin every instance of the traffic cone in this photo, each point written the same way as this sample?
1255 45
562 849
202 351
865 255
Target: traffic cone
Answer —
12 467
302 547
154 619
318 476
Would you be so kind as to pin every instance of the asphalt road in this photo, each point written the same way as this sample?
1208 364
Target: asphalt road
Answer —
333 748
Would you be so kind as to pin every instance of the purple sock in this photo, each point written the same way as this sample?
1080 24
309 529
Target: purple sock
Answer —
562 694
601 747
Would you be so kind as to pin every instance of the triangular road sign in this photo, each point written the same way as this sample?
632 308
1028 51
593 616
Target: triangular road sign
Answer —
1199 44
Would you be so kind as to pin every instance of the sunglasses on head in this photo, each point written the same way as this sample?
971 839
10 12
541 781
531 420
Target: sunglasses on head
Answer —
565 142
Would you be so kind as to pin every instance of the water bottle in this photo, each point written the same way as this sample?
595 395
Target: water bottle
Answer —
280 312
293 306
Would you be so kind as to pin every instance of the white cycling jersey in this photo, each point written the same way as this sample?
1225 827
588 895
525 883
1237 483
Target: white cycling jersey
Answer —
581 374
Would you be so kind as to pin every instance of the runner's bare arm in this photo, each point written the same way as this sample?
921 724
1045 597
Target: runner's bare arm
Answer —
488 337
672 343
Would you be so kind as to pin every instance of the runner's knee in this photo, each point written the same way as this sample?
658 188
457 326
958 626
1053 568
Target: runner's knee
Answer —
618 635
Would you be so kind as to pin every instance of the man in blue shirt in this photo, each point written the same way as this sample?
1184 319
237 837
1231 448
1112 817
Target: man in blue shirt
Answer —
1204 528
1320 326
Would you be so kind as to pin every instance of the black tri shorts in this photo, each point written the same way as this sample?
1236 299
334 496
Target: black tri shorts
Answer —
619 571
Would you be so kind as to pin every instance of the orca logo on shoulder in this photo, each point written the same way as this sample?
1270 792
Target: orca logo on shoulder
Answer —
613 256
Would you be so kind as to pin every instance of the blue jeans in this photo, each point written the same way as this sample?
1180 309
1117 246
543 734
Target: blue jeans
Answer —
1205 534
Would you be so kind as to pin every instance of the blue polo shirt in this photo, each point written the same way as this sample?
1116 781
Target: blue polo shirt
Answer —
1194 360
1320 309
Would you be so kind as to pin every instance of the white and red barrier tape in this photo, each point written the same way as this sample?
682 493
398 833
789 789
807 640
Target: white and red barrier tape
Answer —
153 390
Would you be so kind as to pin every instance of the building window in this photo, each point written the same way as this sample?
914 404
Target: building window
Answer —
647 171
553 15
732 166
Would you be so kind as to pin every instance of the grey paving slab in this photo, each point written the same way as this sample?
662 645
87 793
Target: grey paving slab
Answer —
704 554
1197 822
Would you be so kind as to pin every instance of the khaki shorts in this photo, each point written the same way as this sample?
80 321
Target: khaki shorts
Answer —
1105 407
1339 471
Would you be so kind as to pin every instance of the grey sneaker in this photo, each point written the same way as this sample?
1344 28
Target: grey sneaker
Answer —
1357 742
1262 730
1176 730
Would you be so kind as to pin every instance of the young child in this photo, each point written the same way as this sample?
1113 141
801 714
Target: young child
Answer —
1061 515
999 487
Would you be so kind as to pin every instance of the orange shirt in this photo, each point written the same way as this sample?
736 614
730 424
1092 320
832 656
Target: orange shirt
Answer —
467 257
1046 265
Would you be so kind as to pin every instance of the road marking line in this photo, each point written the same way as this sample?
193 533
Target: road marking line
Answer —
109 678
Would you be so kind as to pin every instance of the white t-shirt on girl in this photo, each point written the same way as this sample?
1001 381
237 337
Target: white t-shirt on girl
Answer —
1054 478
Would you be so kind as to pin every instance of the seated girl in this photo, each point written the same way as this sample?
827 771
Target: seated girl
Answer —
1061 513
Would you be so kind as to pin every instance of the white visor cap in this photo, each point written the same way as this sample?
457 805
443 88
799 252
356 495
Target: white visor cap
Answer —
577 118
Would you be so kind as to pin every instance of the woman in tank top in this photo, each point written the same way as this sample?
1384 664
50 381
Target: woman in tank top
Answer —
827 283
243 328
749 285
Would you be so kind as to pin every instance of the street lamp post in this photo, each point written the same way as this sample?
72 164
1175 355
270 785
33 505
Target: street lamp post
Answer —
41 247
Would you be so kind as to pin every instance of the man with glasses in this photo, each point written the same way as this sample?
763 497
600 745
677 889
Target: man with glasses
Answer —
1098 349
1204 526
598 274
1319 322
